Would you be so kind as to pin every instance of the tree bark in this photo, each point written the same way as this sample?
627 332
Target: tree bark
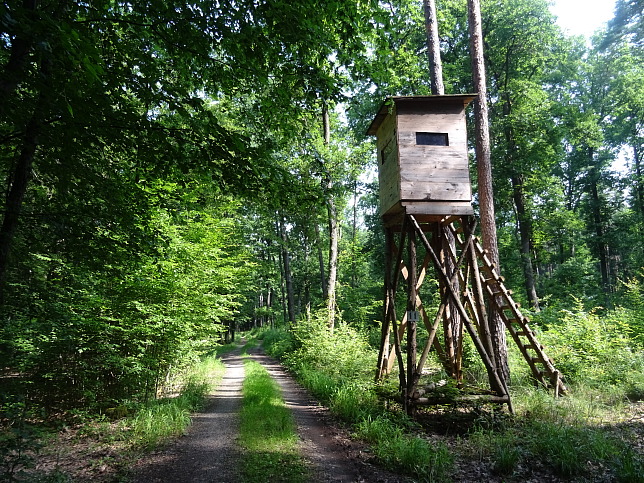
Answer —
333 227
433 47
598 222
411 321
318 241
446 242
525 241
16 195
13 73
288 279
639 179
484 170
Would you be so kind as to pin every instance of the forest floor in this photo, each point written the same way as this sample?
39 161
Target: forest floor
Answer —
208 451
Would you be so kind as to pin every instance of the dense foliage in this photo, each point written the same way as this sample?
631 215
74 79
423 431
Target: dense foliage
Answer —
168 179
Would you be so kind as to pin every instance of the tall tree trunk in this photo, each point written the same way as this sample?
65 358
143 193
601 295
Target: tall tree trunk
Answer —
523 217
14 71
333 227
598 222
288 279
354 229
446 243
525 231
639 179
22 171
16 195
433 47
318 242
484 170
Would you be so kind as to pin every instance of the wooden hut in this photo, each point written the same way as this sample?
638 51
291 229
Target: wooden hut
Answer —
422 157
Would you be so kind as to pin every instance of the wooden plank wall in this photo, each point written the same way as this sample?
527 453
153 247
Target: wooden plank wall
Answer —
388 168
433 173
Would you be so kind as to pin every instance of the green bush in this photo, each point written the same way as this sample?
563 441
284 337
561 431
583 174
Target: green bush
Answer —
595 348
278 342
343 352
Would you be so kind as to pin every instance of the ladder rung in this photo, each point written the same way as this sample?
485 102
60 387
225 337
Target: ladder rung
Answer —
534 347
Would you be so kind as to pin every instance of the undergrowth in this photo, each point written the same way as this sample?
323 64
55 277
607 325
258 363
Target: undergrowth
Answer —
573 437
168 417
129 426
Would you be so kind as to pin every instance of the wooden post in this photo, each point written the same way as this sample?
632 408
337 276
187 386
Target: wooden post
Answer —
383 355
411 319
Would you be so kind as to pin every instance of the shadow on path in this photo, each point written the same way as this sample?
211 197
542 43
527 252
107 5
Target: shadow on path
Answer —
208 452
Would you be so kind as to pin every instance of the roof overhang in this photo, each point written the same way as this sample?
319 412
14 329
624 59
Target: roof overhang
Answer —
387 105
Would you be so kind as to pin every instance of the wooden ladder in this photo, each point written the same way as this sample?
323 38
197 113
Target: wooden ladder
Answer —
517 324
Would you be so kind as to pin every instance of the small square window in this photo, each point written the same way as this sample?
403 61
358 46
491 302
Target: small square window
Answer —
432 139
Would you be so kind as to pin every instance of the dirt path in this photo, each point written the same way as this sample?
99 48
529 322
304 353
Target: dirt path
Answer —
332 455
209 452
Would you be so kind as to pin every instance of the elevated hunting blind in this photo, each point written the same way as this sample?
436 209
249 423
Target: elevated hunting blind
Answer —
426 195
422 156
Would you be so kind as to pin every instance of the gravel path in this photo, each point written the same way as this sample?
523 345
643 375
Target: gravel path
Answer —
208 452
332 455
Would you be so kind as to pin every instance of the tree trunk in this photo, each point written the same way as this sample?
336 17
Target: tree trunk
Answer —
354 229
411 321
16 195
598 222
433 47
524 221
484 170
14 71
333 228
286 260
639 179
318 241
525 231
445 241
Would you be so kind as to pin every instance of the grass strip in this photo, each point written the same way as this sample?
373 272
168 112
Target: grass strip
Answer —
268 432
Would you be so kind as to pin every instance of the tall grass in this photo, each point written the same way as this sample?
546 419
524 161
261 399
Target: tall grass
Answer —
267 431
168 417
570 437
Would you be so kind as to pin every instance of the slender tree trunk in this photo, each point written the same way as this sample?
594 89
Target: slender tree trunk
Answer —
14 71
333 228
318 242
484 170
639 179
446 243
288 279
15 197
354 226
598 222
525 230
411 321
22 172
523 217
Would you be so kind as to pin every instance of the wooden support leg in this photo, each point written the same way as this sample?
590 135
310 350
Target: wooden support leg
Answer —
495 382
411 321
